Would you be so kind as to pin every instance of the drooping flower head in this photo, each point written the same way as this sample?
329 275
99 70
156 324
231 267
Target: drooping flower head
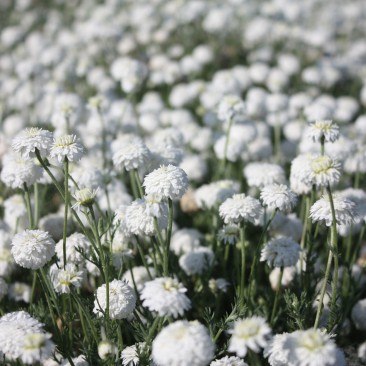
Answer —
278 196
326 129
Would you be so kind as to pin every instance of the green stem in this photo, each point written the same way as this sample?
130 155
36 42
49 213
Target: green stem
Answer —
277 140
102 257
278 290
28 205
168 237
256 257
66 199
36 204
242 277
334 249
224 161
138 183
324 287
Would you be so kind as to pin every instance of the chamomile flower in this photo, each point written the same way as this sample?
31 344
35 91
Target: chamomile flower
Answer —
263 174
229 107
281 252
32 248
64 278
248 333
122 300
324 171
278 196
166 182
229 234
344 210
75 243
197 261
30 139
166 296
67 146
84 197
130 152
241 208
36 347
130 354
326 129
183 343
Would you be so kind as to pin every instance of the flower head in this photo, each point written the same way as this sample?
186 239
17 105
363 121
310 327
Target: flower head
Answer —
323 171
325 129
122 300
84 197
281 252
183 343
263 174
64 278
30 139
249 333
344 210
67 146
278 196
166 182
241 208
130 152
166 296
32 248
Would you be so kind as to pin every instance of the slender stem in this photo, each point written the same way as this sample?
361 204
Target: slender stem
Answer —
324 287
168 236
66 199
224 162
322 145
278 290
334 249
256 256
36 204
28 205
242 277
102 257
138 183
277 140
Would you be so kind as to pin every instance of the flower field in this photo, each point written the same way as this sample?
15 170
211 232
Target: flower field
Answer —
182 183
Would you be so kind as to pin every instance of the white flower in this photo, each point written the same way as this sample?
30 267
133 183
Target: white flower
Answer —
249 333
358 314
63 279
185 240
229 234
241 208
197 261
77 361
323 171
166 296
263 174
130 152
106 349
139 218
304 348
326 129
16 171
278 196
166 182
229 107
32 248
281 252
74 244
228 361
344 210
218 284
299 175
183 343
67 146
84 197
19 291
30 139
212 194
14 331
130 355
122 300
36 347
